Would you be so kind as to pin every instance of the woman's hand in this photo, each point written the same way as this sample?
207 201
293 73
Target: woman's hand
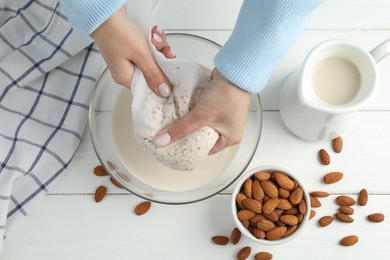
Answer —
222 106
123 45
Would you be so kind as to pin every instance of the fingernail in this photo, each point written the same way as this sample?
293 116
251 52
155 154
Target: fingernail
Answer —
157 38
159 29
164 90
163 139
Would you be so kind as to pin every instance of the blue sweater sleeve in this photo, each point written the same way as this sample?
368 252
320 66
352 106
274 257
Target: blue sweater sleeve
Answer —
86 15
264 31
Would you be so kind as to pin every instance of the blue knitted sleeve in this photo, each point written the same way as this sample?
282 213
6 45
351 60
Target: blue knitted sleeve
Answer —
86 15
264 31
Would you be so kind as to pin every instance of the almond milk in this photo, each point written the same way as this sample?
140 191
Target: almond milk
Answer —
336 81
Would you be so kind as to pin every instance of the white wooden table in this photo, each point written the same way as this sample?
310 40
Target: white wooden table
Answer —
68 224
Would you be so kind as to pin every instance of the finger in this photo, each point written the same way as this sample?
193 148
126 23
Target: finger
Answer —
160 42
154 76
180 128
221 144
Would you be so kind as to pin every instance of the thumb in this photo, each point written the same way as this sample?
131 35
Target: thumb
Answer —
154 76
180 128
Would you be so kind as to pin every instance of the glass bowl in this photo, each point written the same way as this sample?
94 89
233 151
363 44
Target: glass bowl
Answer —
112 138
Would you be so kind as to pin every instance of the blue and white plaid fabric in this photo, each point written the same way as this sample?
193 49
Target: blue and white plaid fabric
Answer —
47 75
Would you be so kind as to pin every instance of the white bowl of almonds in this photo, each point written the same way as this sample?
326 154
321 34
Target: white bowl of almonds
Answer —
270 205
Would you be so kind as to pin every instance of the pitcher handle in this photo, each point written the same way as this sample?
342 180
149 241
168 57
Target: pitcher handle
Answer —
381 51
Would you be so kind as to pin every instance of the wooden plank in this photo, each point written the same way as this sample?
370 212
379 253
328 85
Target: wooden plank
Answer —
222 14
74 227
364 159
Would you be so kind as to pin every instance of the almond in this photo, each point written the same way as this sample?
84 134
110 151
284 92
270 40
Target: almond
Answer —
302 207
248 188
343 218
337 144
271 216
292 211
253 205
319 194
276 233
265 225
346 210
220 240
263 256
142 208
332 177
314 202
290 230
245 223
235 236
239 198
349 240
312 214
284 204
363 197
257 191
100 193
115 183
245 214
270 189
270 205
296 196
376 217
100 171
244 253
260 234
345 201
325 221
283 193
256 218
284 181
262 176
324 157
290 220
300 217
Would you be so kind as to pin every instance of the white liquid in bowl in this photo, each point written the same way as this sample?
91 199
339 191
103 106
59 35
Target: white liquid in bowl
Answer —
150 171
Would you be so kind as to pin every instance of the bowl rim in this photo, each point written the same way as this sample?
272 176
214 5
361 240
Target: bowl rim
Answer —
244 230
112 174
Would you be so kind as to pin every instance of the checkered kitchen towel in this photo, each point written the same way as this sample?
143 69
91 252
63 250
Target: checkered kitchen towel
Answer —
47 74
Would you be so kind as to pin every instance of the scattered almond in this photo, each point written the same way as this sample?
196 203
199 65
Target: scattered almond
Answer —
319 194
332 177
376 217
263 256
337 144
244 253
142 208
100 171
325 221
324 157
349 240
235 236
312 214
314 202
115 183
220 240
343 218
363 197
100 193
345 201
346 210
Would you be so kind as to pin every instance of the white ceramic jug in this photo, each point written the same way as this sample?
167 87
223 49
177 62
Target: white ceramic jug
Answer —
319 101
